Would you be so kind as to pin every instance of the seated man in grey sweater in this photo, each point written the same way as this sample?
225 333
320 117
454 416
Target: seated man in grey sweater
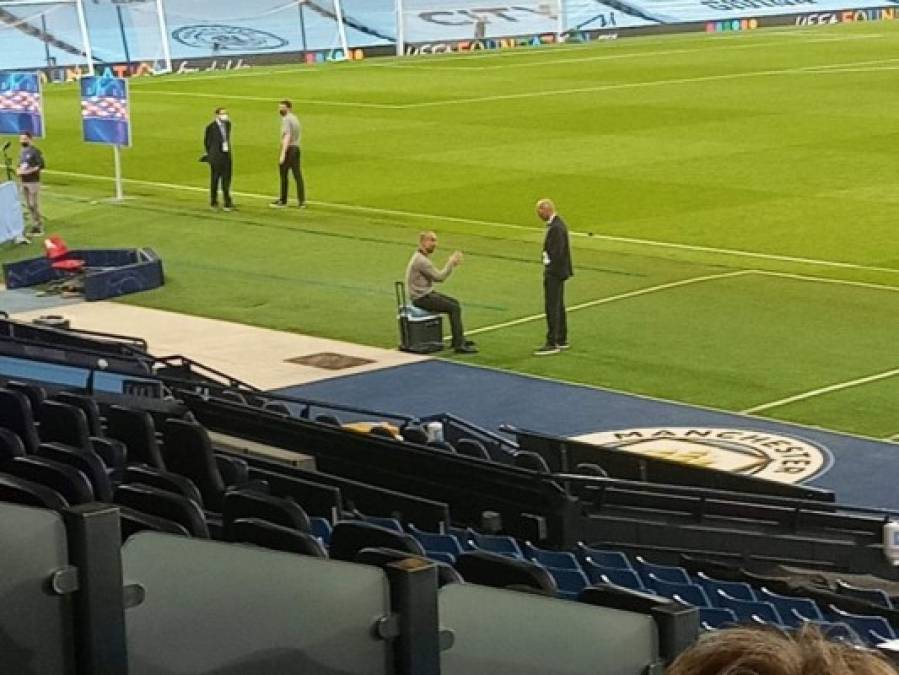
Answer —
421 275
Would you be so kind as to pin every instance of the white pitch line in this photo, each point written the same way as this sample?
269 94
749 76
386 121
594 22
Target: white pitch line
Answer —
510 226
268 99
613 298
825 280
823 390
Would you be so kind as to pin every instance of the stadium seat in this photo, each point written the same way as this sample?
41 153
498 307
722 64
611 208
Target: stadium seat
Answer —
735 589
495 544
86 461
671 573
233 470
349 537
382 432
35 393
331 420
276 407
588 469
499 571
321 529
133 521
71 483
432 541
113 453
17 415
603 557
88 406
442 445
389 523
63 423
569 581
163 480
864 625
136 429
525 459
441 556
872 595
556 559
188 451
794 611
273 536
716 617
59 255
470 447
750 610
163 504
29 493
233 396
238 504
380 556
10 445
613 575
414 434
691 594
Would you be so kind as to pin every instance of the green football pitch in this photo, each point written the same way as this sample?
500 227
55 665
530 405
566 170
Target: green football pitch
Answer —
733 201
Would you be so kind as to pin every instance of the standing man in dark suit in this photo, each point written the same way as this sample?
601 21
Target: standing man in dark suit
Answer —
218 154
557 269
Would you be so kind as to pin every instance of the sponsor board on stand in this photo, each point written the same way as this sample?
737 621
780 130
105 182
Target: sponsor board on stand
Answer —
752 452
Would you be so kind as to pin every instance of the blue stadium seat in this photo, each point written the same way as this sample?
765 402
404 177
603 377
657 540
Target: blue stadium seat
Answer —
495 544
792 610
603 557
750 610
677 575
735 589
557 559
570 582
321 528
864 625
873 595
839 631
613 575
434 541
691 594
716 617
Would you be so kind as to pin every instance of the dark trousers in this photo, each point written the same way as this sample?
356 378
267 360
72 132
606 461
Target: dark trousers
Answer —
444 304
554 300
292 164
221 174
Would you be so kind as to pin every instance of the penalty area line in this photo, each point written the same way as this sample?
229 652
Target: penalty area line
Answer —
611 299
839 386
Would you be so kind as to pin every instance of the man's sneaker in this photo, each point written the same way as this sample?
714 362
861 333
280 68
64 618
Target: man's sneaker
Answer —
22 239
229 208
214 207
562 345
278 204
466 349
546 350
470 343
301 205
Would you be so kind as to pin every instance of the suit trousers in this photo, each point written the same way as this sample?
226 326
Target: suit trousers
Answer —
291 164
221 175
554 303
444 304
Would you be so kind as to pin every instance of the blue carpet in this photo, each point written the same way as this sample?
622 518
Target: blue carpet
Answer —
490 398
26 300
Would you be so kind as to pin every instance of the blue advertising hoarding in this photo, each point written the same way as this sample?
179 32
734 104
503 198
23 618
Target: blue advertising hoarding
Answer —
21 104
105 110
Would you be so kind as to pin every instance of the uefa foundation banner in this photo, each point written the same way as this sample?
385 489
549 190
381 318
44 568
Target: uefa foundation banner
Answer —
106 111
21 106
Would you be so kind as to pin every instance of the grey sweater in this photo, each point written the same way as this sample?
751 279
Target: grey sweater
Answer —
421 275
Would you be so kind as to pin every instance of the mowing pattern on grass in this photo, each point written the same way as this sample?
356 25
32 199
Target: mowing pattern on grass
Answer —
731 199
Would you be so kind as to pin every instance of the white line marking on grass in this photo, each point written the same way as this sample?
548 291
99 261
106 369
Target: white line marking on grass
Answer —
823 390
825 280
894 437
267 99
613 298
509 226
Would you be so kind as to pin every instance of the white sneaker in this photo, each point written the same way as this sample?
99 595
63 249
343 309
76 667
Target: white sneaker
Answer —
22 239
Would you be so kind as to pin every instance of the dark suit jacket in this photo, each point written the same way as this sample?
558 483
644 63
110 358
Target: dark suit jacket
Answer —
556 248
213 142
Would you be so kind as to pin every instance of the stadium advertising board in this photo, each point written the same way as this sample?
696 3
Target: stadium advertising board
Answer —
21 104
105 110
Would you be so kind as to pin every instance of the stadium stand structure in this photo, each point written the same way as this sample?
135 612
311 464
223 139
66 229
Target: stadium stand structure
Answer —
389 556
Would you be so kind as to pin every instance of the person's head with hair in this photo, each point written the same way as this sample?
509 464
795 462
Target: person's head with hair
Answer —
427 241
546 210
285 107
769 651
25 138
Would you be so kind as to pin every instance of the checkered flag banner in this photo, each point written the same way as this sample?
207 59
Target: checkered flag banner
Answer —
104 108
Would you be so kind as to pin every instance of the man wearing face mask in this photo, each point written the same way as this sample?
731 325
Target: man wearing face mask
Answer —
31 161
289 160
218 154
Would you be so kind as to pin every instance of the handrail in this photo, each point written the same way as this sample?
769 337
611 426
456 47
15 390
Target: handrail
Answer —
502 440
